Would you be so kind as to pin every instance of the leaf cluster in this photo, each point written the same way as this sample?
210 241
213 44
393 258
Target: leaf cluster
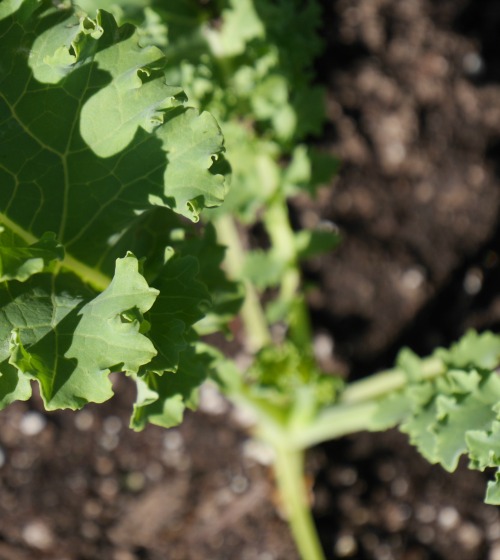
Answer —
456 413
101 165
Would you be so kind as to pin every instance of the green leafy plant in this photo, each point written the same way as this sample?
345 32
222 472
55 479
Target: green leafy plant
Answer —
106 267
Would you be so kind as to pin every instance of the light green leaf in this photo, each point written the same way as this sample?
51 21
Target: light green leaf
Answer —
8 7
484 447
460 414
242 24
478 350
493 491
264 269
75 345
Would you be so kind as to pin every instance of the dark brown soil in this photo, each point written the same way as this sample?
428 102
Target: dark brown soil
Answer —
414 113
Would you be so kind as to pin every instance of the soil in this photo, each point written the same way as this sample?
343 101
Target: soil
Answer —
414 114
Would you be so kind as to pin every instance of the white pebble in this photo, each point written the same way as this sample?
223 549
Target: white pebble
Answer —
32 423
38 535
470 535
473 281
345 546
323 346
412 279
448 518
472 63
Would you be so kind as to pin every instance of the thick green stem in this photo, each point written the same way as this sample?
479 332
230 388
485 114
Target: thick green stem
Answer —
358 405
334 422
294 494
385 382
257 331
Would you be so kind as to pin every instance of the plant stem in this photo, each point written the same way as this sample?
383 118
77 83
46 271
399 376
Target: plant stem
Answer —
289 471
358 405
277 222
335 421
380 384
257 331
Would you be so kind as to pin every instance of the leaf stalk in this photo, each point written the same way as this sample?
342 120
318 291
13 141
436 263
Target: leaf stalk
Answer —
257 331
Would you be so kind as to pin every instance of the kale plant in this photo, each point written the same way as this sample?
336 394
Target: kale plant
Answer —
112 119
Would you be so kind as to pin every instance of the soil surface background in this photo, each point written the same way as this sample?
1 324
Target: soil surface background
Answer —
414 115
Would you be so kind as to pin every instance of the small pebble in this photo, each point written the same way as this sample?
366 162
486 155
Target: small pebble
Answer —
239 484
399 487
173 440
32 423
84 420
472 63
112 425
426 513
92 509
109 442
473 281
469 535
323 346
386 471
38 535
448 518
347 476
412 279
154 471
104 465
89 531
396 516
345 546
426 535
108 488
